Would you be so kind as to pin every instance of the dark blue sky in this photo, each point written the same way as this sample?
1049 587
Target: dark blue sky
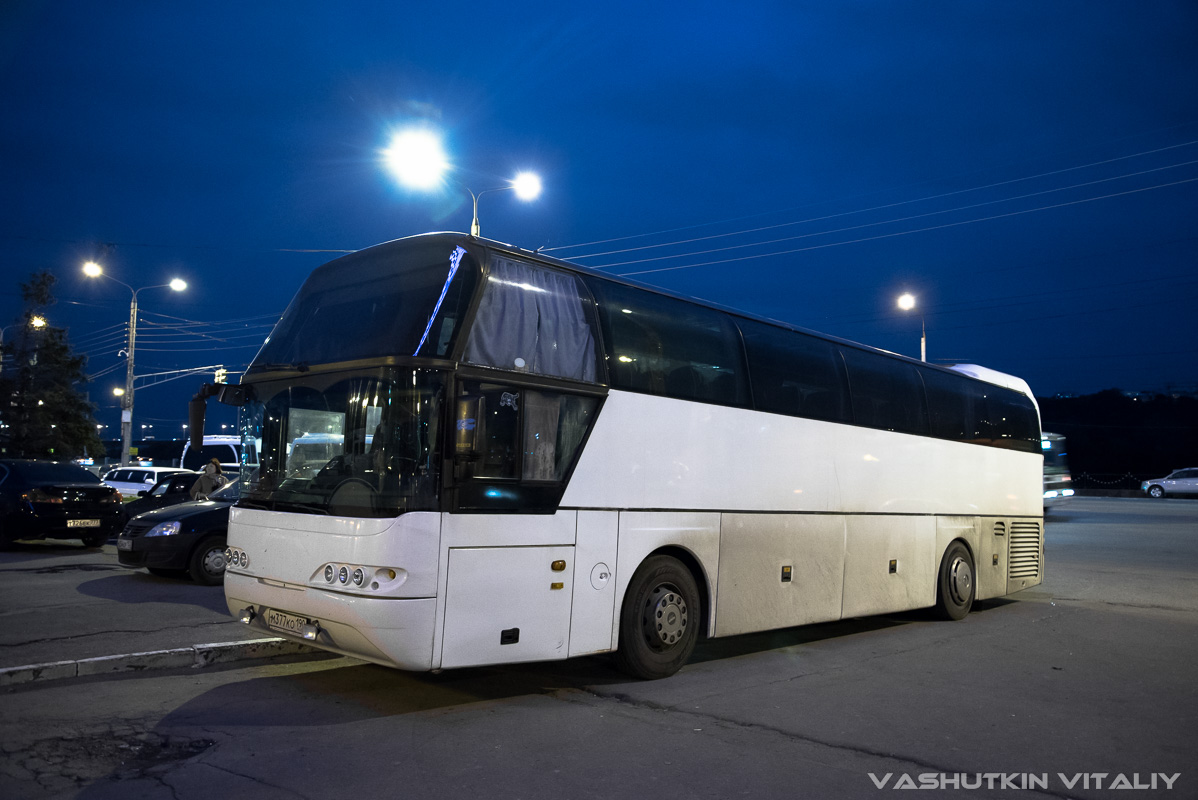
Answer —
1029 170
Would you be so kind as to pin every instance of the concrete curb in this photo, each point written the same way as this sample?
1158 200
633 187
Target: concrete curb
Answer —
198 655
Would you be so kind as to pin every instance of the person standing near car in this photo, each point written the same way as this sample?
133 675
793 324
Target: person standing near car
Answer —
211 479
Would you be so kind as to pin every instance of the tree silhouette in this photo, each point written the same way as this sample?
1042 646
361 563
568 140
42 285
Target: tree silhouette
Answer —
43 413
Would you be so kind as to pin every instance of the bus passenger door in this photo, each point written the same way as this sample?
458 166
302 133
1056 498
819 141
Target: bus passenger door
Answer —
507 604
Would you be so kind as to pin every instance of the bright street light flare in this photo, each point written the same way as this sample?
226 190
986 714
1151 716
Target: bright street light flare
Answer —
417 158
527 185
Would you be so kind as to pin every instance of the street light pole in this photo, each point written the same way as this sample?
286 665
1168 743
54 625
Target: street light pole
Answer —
907 302
417 158
127 397
526 185
94 270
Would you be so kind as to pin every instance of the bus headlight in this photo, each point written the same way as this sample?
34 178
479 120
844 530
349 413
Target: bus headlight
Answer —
359 576
329 574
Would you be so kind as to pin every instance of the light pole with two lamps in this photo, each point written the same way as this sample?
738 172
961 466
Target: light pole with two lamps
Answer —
93 270
907 302
417 158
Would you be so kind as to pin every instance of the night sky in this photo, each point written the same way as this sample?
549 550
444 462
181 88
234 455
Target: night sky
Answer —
1028 170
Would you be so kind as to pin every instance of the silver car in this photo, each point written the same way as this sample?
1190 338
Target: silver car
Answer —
1180 481
131 480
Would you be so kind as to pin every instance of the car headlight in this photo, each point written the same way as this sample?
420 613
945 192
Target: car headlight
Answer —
164 529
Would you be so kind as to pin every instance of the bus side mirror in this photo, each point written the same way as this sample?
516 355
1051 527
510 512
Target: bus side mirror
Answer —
232 394
229 394
468 427
195 417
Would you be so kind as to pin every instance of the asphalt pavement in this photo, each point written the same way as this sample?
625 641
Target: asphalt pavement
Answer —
71 611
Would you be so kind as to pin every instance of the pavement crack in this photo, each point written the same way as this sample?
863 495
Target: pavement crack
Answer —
258 781
917 764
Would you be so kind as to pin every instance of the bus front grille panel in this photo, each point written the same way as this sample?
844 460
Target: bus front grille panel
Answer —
1023 557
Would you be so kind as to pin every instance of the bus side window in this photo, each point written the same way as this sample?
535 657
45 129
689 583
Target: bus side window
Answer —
664 346
794 373
516 433
886 393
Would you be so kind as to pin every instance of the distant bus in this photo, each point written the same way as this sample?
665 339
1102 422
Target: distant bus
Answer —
225 449
519 459
1058 483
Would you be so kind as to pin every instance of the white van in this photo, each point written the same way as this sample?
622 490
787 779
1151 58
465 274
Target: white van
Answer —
225 449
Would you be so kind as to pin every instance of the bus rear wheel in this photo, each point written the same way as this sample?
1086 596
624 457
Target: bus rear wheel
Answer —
955 585
659 621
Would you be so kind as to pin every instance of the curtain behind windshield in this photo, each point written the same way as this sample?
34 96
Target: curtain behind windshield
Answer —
533 320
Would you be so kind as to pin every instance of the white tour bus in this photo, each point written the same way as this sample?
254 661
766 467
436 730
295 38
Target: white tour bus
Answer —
522 459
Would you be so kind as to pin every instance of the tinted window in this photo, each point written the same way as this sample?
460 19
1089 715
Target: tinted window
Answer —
968 410
670 347
402 299
793 373
511 432
536 320
955 406
886 392
1011 419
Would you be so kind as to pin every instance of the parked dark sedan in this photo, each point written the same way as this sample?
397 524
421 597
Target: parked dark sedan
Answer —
56 500
169 491
187 538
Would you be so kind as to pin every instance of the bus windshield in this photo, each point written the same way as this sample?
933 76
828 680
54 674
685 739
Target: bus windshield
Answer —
349 444
393 300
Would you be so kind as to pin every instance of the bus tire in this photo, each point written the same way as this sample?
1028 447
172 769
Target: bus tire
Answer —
955 585
659 621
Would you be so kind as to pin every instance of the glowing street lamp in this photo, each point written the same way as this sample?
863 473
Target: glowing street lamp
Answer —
526 185
907 302
417 159
93 270
35 322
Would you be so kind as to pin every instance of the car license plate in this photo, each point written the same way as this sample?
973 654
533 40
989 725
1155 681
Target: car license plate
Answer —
124 544
83 523
287 623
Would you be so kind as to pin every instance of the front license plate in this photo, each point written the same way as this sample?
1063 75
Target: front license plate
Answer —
287 623
124 544
83 523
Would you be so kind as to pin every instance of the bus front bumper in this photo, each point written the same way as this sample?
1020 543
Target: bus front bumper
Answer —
393 632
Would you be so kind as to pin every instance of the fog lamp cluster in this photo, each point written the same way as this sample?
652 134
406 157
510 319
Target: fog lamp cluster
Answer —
353 576
236 558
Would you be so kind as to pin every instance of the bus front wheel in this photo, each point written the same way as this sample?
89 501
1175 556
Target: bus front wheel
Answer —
659 621
955 586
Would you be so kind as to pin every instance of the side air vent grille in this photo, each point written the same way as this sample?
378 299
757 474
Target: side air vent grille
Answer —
1023 557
